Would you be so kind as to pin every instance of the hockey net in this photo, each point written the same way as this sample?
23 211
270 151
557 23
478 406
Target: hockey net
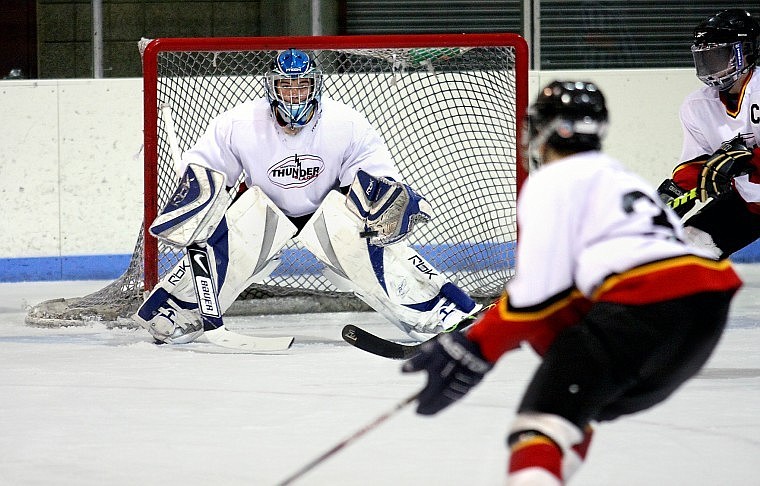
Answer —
448 106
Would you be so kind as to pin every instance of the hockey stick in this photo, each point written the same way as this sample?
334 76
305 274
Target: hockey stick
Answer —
203 282
685 205
366 341
348 440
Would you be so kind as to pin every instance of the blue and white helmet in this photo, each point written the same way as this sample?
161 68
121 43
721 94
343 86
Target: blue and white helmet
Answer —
294 88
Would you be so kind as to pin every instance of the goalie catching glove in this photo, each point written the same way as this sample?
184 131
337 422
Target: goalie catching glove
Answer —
388 209
732 159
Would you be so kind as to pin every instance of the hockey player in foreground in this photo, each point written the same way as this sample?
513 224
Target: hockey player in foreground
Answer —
720 158
317 171
620 308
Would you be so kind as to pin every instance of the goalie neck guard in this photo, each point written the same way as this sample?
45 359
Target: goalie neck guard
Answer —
725 46
294 88
569 116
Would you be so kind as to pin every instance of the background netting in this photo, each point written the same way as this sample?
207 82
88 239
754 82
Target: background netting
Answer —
448 115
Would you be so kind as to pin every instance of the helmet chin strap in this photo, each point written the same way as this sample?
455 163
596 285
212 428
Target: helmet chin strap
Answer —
279 119
536 158
739 81
290 125
537 146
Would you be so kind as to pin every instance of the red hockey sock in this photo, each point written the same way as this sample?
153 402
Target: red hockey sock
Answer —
577 454
582 448
535 450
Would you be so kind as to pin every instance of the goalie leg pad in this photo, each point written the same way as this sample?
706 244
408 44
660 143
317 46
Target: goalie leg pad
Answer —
243 249
450 307
394 280
248 251
169 319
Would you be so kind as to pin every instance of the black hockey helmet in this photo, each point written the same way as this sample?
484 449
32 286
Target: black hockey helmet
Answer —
570 116
725 46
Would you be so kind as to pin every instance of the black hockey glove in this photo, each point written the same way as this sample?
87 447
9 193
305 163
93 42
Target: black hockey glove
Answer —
730 160
454 365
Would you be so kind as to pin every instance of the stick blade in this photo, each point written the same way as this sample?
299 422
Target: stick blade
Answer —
253 344
366 341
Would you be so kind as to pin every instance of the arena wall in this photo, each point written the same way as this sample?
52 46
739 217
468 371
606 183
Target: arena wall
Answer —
71 164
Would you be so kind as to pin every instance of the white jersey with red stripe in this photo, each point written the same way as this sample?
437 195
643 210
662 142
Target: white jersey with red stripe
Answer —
707 122
296 170
571 236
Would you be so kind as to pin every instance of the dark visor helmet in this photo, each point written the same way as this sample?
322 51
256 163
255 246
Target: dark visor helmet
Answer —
570 116
725 47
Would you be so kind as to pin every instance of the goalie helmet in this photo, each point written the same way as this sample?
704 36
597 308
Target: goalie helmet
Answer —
725 47
569 116
294 88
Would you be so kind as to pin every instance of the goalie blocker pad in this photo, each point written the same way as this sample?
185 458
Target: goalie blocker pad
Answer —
195 209
388 209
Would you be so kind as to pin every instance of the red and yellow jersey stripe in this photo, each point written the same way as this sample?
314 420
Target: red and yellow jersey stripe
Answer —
503 327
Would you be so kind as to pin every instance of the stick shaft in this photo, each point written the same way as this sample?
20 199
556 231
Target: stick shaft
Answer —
348 440
171 133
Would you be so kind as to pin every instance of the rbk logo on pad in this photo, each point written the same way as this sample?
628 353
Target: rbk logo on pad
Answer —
296 171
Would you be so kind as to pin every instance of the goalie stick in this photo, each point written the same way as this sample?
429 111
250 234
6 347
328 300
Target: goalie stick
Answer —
208 305
223 337
205 289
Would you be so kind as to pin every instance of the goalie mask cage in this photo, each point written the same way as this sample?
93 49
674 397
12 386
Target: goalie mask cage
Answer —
448 106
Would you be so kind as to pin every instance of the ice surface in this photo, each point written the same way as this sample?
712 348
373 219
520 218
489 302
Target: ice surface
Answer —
92 406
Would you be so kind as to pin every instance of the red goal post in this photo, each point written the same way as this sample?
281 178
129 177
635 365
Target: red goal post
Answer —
449 106
433 44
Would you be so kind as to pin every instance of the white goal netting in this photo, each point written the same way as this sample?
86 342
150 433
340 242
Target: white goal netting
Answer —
448 107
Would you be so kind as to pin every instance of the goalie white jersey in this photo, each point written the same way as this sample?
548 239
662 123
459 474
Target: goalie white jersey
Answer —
567 241
295 171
